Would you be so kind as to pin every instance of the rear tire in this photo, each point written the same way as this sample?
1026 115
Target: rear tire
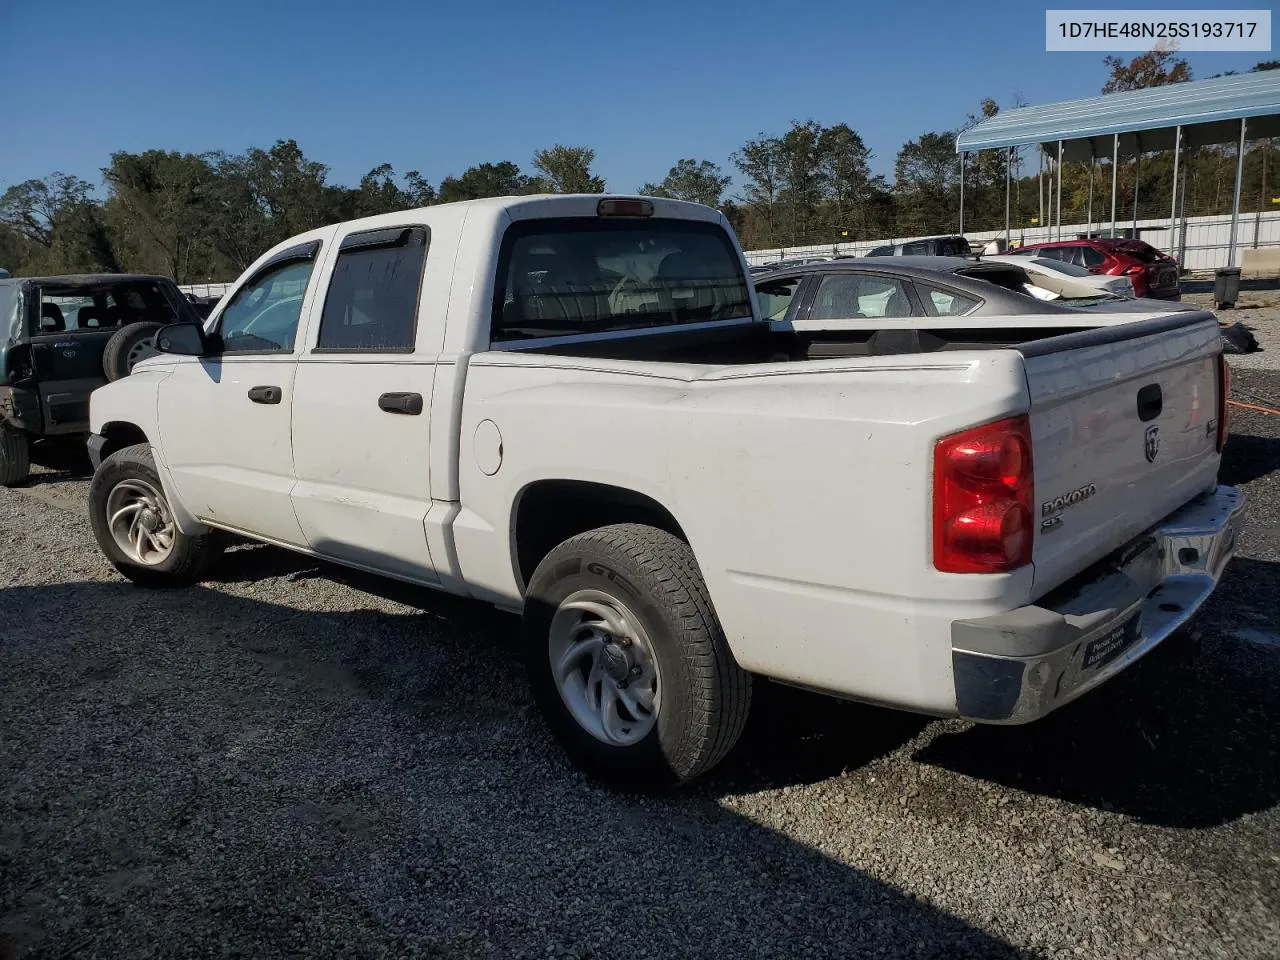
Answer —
134 525
127 347
15 457
653 697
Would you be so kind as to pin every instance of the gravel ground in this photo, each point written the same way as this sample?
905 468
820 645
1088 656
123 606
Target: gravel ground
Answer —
296 761
1258 310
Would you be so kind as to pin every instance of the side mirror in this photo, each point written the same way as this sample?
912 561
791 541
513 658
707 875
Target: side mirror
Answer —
184 339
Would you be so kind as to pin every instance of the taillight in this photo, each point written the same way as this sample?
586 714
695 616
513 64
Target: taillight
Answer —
983 489
1224 394
1132 269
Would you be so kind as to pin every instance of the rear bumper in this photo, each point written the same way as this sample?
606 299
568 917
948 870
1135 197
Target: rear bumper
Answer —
1019 666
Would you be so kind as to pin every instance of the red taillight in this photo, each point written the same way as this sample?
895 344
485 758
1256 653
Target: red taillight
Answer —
1133 268
1224 394
982 495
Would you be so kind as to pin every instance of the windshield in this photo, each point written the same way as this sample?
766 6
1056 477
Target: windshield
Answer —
561 277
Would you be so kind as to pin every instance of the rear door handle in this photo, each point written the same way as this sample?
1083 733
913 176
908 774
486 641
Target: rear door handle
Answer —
406 403
265 394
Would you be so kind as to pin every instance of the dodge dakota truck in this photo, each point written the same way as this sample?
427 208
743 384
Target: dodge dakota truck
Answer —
570 407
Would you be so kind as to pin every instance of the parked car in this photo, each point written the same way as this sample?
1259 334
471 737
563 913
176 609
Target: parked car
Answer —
952 246
1153 274
60 337
857 294
1065 279
570 407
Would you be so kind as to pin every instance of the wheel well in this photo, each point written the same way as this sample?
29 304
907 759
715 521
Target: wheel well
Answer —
549 512
120 435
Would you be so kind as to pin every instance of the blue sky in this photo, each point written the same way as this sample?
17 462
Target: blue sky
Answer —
441 86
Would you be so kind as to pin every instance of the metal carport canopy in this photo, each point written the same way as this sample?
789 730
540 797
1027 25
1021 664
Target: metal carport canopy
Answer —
1209 112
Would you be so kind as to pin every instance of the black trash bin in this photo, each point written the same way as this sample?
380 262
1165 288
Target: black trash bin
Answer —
1226 287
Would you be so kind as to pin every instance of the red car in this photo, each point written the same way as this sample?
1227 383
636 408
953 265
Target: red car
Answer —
1154 274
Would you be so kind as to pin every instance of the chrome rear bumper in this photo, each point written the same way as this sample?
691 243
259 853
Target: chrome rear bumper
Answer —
1019 666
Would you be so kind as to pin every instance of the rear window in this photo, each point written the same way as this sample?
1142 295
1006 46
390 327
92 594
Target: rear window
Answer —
1142 252
104 306
954 247
575 276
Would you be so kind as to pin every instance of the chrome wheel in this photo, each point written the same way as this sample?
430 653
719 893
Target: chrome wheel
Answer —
140 522
603 664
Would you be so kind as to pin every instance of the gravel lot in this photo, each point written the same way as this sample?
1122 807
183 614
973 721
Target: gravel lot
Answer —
297 761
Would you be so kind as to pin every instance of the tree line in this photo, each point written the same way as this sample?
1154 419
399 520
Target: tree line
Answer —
198 217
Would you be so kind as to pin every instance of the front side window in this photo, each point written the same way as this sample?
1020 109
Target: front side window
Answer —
576 276
372 303
263 315
775 297
852 296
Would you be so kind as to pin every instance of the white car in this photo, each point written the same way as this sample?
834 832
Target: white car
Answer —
570 406
1066 280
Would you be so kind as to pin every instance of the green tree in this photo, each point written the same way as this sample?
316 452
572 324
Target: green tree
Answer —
502 179
157 210
698 181
844 163
34 208
567 170
801 178
760 161
1155 68
1266 65
926 184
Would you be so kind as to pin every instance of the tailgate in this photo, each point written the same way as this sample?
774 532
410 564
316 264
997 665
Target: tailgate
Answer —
1123 432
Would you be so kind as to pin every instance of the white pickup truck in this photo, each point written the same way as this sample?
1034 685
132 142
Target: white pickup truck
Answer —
569 406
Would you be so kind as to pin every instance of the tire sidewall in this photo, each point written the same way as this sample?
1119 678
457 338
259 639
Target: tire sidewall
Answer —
107 476
115 355
592 566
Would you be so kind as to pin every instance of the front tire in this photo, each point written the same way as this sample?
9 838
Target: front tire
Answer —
15 457
627 660
135 527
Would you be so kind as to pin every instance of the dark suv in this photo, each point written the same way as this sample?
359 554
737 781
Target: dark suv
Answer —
63 337
952 246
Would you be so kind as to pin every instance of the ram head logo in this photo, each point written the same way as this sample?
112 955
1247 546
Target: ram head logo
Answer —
1152 444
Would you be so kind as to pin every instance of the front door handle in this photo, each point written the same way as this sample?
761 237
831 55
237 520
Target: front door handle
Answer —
265 394
407 403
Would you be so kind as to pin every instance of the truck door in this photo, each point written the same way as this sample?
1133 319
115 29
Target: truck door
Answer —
361 409
225 420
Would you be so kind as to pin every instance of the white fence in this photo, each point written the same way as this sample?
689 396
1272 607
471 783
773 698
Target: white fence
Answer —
1207 239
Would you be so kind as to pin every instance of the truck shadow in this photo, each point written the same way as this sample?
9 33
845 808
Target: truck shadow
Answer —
381 770
1187 737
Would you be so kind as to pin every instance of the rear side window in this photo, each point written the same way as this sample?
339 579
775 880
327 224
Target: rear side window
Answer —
920 248
372 301
880 252
854 296
945 303
588 275
1094 258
